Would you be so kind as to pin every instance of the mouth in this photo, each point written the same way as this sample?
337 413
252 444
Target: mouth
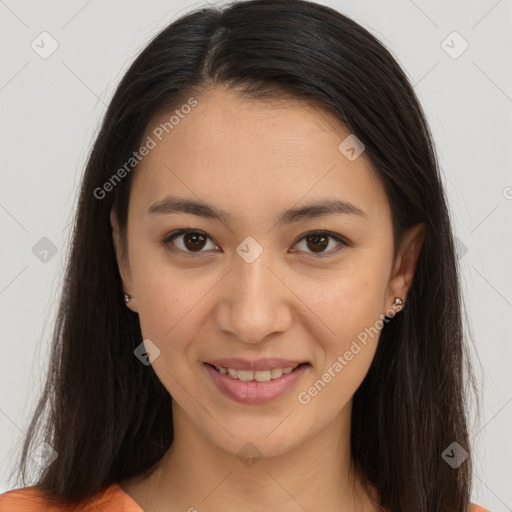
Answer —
258 375
256 387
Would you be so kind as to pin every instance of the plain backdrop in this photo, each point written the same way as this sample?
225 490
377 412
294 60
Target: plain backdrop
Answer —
457 54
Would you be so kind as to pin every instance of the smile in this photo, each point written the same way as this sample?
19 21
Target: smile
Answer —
255 387
259 376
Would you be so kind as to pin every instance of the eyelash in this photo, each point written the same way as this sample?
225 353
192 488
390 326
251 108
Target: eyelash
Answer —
171 236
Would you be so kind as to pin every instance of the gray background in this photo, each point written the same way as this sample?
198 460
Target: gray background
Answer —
50 112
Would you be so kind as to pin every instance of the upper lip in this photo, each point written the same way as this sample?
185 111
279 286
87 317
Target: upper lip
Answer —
257 365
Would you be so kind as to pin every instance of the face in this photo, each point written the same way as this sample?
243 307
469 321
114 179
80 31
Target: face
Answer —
256 280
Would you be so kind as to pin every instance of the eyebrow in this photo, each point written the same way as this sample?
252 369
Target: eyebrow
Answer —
173 204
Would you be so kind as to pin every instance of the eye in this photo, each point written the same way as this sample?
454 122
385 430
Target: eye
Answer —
191 242
318 241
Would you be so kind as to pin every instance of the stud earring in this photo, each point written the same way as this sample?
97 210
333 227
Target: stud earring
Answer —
398 302
396 307
127 298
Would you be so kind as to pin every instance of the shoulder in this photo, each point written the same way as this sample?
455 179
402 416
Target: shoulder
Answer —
31 499
24 500
473 507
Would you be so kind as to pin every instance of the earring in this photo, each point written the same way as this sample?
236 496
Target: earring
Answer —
127 298
392 311
398 302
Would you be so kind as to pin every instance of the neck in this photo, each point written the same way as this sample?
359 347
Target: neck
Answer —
196 474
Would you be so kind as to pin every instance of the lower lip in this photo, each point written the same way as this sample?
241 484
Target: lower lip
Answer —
253 392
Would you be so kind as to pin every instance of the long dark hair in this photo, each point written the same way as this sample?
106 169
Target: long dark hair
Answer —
108 417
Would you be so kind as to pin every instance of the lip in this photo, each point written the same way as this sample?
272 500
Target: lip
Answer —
253 392
266 363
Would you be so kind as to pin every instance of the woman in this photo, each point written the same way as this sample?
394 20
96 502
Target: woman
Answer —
262 288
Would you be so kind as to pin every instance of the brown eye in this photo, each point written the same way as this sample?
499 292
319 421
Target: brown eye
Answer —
191 243
317 242
187 242
194 241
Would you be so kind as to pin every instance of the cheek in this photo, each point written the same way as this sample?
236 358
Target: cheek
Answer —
347 333
171 303
168 316
345 318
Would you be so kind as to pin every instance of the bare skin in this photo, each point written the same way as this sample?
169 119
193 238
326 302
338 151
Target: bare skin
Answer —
254 159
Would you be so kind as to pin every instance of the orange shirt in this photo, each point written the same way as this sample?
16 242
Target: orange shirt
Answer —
30 499
113 499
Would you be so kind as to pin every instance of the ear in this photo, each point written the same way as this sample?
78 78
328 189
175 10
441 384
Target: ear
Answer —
122 262
405 265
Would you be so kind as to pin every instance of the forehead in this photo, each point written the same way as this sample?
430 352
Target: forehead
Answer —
247 155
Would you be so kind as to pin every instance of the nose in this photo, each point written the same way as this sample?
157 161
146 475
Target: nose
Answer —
254 302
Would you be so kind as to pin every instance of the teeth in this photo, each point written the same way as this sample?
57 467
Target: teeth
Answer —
244 375
259 376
